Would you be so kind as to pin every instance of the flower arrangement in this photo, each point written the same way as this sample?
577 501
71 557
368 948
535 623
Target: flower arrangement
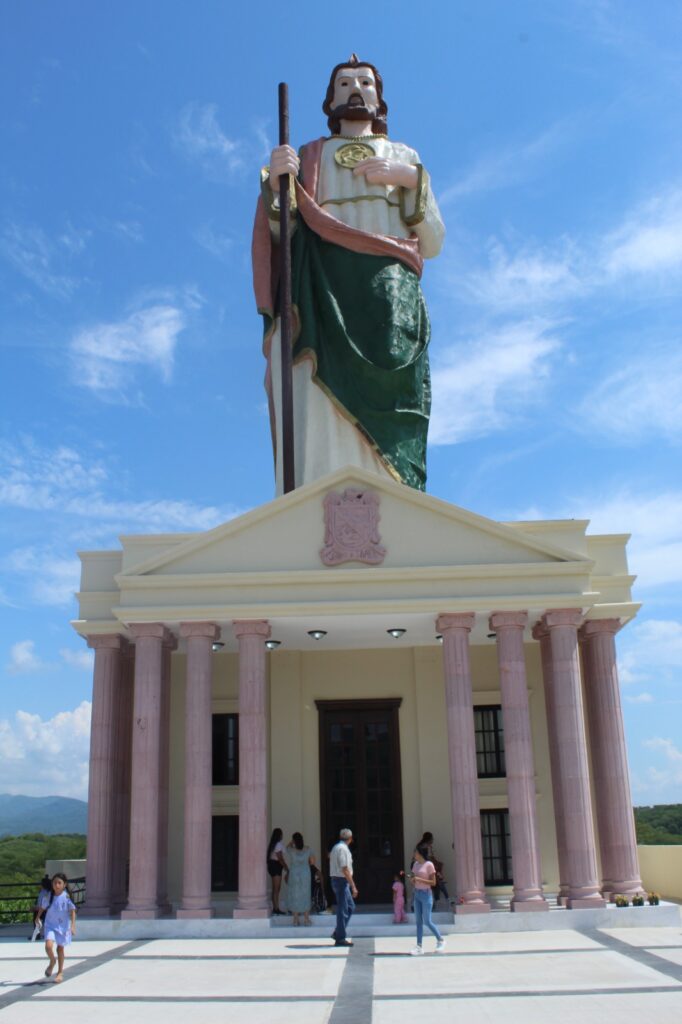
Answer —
638 900
653 898
621 901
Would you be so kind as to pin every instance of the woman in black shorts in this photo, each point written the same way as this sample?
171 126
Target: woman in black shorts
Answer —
277 866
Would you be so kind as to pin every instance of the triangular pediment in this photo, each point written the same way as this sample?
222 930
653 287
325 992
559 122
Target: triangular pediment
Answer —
287 535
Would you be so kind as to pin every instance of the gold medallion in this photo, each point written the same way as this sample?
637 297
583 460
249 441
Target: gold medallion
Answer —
352 153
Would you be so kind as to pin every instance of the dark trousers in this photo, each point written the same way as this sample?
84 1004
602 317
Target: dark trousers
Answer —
345 905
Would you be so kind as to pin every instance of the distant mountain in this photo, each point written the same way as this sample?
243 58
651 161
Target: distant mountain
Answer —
48 814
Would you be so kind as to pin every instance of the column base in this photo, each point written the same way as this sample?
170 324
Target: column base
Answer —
587 904
523 906
471 908
141 915
254 913
199 914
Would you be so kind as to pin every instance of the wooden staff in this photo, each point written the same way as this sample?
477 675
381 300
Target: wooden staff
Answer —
285 303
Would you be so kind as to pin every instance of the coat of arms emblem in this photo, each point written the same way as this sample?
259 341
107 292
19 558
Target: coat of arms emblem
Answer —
351 528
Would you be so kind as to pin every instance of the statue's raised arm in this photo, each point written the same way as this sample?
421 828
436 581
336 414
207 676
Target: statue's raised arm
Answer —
364 219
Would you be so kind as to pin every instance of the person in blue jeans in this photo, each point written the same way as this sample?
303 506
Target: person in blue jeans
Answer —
423 877
345 893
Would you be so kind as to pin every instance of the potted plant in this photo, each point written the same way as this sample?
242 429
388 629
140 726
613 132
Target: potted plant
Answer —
621 901
654 899
638 900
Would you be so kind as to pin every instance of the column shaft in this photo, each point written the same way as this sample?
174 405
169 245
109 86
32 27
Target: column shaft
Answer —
574 780
615 819
101 806
541 634
518 749
144 814
169 645
124 738
253 769
196 878
466 814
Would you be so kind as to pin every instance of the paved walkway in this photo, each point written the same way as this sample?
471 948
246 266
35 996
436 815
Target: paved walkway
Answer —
628 975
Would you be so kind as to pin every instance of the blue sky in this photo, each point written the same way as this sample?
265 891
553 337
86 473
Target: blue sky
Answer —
131 384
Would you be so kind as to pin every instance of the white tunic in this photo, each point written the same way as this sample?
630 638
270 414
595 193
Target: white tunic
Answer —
324 440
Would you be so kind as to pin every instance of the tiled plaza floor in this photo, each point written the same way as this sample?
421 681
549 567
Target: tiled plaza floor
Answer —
629 975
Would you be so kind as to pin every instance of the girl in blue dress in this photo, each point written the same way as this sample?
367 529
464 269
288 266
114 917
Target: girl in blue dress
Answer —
59 925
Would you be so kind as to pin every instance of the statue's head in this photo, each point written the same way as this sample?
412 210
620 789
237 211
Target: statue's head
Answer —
355 93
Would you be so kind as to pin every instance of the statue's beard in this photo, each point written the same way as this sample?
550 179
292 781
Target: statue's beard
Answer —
354 112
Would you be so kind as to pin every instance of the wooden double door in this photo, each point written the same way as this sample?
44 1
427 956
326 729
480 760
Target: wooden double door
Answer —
360 788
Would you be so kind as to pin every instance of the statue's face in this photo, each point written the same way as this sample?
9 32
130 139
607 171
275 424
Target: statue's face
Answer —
355 89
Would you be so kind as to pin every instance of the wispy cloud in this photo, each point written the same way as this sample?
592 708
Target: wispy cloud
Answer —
104 355
23 658
62 481
39 259
653 520
482 385
639 698
82 660
532 278
651 653
508 165
649 241
199 135
219 245
660 782
45 756
52 578
642 399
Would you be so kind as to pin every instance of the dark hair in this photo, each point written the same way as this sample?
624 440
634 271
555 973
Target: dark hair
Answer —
64 879
275 838
297 840
423 850
379 123
427 837
400 875
46 883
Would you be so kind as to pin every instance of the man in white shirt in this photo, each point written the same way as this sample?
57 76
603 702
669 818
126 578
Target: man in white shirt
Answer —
341 874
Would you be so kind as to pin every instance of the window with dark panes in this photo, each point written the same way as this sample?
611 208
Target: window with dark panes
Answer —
225 750
489 741
497 860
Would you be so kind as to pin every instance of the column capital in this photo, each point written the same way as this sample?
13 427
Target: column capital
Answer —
151 629
563 617
539 631
251 627
110 641
508 620
458 620
594 627
209 630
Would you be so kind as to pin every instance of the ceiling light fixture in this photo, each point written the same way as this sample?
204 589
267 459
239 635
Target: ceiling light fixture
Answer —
439 638
396 633
272 645
317 634
217 645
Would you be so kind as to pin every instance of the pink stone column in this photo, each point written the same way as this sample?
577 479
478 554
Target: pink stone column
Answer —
124 738
146 759
615 819
169 645
518 752
466 813
101 808
253 769
541 634
581 859
196 878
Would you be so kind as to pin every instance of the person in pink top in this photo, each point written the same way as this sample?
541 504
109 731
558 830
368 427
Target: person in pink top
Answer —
423 877
399 915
